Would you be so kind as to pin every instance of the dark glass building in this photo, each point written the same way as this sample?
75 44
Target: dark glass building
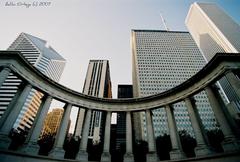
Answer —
124 91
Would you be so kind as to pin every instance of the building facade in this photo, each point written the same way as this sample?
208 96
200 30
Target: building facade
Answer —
46 60
124 91
161 61
97 83
52 121
214 31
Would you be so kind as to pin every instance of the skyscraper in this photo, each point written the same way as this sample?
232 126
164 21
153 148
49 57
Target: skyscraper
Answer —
97 83
52 121
46 60
214 31
124 91
161 61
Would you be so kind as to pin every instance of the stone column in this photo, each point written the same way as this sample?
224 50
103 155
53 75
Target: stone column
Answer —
106 157
128 157
4 74
230 142
202 145
10 106
151 156
235 83
79 123
32 147
12 117
57 151
177 152
83 155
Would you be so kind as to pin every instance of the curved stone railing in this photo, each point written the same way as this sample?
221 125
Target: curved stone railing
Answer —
227 65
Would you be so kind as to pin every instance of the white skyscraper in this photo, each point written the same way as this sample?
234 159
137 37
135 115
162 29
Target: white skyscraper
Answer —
214 31
46 60
161 61
97 83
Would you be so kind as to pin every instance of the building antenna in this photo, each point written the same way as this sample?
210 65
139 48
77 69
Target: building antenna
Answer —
164 22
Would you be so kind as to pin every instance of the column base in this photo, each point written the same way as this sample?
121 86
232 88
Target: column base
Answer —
82 156
151 157
5 141
177 154
202 150
57 152
231 145
106 157
31 148
128 157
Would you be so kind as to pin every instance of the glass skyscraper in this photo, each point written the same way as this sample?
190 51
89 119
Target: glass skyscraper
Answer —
161 61
46 60
214 31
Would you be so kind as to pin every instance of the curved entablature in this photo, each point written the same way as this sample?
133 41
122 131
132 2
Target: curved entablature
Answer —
210 73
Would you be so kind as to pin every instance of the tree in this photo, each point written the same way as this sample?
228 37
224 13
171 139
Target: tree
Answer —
140 149
188 143
215 137
18 138
46 144
94 150
71 147
163 144
118 154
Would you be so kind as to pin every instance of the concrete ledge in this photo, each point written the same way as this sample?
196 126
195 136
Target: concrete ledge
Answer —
8 156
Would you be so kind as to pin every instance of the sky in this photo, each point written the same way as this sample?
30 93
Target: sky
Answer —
81 30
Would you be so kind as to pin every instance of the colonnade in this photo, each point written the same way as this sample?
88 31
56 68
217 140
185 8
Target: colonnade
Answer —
230 143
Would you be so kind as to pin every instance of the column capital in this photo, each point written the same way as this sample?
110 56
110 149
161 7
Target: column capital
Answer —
4 74
7 68
28 85
170 107
229 71
67 106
